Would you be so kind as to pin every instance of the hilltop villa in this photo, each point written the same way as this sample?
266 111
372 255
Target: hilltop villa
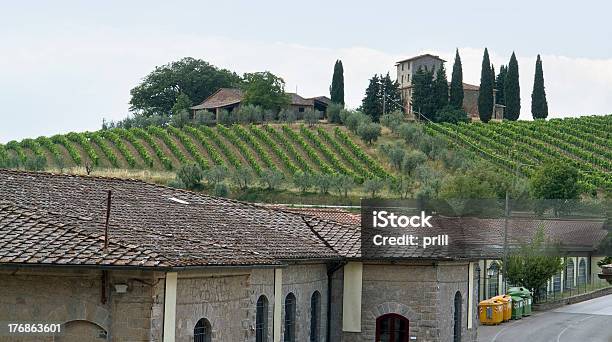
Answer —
407 68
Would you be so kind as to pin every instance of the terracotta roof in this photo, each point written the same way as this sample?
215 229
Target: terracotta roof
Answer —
300 101
480 237
323 99
419 57
332 214
467 86
221 98
32 236
185 227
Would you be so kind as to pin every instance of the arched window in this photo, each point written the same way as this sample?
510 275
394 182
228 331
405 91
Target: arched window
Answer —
202 331
289 318
569 274
457 318
582 272
261 320
557 282
392 327
315 317
493 274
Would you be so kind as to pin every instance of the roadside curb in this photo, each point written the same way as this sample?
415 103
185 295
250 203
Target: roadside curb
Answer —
572 300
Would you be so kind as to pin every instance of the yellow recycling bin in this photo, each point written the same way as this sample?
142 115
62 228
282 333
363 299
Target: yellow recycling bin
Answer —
506 300
491 312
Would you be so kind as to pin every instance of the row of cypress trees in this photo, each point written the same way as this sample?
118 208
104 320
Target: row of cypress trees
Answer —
508 90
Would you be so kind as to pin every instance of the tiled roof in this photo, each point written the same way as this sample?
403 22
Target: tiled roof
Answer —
480 237
331 214
419 57
323 99
206 231
467 86
59 219
300 101
221 98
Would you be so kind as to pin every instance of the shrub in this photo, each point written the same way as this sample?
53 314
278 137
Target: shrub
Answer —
410 132
35 163
190 175
369 132
343 184
287 115
355 119
215 175
204 117
333 113
249 114
323 182
401 186
451 114
412 160
392 120
311 117
180 119
272 178
373 186
225 117
395 153
303 181
221 190
242 177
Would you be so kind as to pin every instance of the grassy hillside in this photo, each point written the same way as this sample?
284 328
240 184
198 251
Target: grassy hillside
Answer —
288 149
521 146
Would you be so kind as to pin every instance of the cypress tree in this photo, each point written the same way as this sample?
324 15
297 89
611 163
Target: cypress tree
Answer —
485 94
512 91
372 102
499 85
422 92
439 91
336 90
456 86
539 105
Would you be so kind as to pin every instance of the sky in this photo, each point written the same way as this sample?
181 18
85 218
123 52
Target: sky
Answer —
66 65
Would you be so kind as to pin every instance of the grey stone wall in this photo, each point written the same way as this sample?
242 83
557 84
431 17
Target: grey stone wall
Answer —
73 298
423 293
303 281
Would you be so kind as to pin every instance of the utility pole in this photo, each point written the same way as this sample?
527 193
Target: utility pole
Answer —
384 99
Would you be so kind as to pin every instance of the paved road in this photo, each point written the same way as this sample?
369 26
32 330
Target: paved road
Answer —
589 321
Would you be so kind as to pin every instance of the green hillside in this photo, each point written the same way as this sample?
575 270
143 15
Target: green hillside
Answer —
288 149
521 146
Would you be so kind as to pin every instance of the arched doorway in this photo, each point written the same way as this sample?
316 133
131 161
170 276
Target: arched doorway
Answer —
457 318
81 330
392 328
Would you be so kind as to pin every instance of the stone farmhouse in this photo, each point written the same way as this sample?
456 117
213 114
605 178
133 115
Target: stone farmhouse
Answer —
163 264
230 99
407 68
181 266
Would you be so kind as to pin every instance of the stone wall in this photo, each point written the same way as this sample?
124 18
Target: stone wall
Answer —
74 299
423 293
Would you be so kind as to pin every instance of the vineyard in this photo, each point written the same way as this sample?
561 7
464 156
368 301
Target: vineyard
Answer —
282 148
521 146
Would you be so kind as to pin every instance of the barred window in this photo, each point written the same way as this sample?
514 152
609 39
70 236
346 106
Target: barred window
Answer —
289 318
457 318
569 274
493 273
202 331
261 320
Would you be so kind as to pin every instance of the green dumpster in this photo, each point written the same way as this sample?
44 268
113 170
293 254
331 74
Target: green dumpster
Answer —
527 298
517 306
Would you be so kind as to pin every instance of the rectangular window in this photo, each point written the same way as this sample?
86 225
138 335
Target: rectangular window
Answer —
301 110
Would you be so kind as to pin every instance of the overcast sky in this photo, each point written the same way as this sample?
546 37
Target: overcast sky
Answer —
65 65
